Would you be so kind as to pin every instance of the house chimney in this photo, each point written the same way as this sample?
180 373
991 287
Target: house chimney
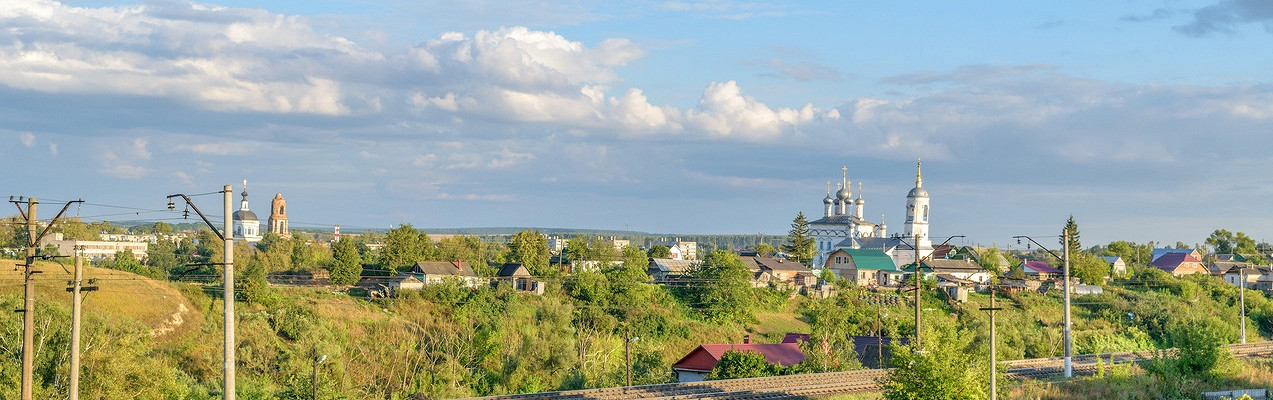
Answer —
747 339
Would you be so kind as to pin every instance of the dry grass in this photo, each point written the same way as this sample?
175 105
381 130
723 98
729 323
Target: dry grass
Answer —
1133 383
155 304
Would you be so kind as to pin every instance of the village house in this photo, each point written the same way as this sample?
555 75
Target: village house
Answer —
696 365
1039 270
1179 264
519 278
433 272
1159 252
778 271
1243 275
864 267
404 281
1218 267
665 269
1117 267
956 271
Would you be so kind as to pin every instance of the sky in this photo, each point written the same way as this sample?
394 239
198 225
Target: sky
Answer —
1147 120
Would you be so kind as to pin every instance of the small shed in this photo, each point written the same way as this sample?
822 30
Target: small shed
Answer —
404 281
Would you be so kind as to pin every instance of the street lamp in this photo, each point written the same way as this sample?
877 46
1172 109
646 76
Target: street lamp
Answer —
1065 271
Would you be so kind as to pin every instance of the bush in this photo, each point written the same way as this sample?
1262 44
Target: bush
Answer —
743 364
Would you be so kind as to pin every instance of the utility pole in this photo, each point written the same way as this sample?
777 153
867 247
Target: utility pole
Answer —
314 381
993 387
918 262
1242 300
228 295
917 290
1065 258
76 299
227 236
1069 354
28 307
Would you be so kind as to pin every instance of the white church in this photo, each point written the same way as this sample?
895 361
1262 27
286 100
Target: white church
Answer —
844 225
248 228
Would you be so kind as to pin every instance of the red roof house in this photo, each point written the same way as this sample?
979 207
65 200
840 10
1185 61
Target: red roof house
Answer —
1179 264
696 365
1039 269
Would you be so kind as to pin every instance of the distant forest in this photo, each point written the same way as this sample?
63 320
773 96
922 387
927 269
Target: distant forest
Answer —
706 243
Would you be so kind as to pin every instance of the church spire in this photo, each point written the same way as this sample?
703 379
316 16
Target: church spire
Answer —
244 204
919 173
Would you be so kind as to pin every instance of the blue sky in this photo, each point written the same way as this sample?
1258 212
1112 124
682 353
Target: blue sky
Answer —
1146 120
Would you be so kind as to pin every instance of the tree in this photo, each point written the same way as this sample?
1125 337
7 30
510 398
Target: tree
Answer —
801 244
404 246
1088 268
530 248
162 228
947 369
989 259
659 251
724 293
347 265
736 364
628 280
765 248
303 257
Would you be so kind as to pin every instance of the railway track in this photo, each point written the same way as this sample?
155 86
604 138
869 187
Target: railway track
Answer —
805 386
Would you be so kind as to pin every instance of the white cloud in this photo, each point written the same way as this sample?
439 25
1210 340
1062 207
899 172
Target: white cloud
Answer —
216 57
219 149
126 161
235 59
27 139
723 111
53 148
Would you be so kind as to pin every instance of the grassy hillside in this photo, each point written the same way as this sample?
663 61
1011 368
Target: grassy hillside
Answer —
158 305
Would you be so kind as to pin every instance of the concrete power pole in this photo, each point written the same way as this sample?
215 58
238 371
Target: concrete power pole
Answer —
917 291
229 294
993 386
75 324
28 308
1242 300
1069 366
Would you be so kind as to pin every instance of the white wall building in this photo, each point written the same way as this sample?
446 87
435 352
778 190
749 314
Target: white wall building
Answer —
844 225
246 226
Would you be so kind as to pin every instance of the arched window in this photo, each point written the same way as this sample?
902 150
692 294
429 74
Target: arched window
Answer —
925 213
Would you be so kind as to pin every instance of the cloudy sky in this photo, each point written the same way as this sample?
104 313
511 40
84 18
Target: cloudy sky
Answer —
1145 119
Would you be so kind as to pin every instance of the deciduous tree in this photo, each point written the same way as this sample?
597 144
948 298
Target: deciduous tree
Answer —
530 248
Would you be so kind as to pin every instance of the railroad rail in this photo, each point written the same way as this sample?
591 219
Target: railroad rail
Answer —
805 386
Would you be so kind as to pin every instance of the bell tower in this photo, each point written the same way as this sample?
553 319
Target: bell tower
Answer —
278 216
